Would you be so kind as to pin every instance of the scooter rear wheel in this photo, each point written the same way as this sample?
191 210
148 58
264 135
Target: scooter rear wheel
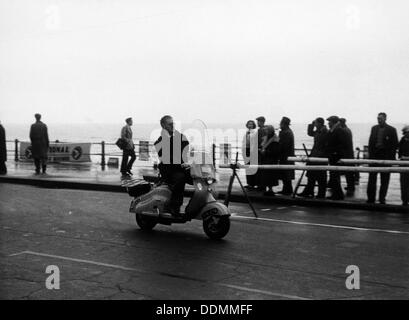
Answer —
145 223
216 227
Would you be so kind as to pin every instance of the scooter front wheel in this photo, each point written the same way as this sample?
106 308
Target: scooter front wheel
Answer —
145 223
216 227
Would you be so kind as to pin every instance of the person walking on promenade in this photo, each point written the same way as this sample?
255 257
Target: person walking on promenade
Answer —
3 150
319 132
382 145
404 155
337 148
39 144
269 152
128 150
260 137
286 141
249 151
349 176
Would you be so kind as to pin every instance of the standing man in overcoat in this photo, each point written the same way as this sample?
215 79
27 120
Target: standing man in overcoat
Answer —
286 141
337 148
39 144
3 150
383 143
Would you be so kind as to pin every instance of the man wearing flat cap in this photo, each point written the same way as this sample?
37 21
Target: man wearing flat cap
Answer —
319 132
39 144
286 142
337 148
128 150
261 133
3 150
404 155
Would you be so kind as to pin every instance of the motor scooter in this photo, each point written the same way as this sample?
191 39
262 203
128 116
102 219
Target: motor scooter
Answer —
151 202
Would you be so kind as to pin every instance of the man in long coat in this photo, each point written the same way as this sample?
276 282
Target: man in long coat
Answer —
286 141
383 143
337 148
319 132
3 151
39 144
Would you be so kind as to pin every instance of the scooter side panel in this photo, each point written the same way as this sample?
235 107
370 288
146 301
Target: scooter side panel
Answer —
154 201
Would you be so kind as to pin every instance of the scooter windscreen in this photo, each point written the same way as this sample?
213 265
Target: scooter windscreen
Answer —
200 155
202 169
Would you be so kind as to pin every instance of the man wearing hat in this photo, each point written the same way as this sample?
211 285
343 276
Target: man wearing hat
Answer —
319 132
286 141
337 148
404 155
349 176
39 144
382 145
128 150
261 121
3 150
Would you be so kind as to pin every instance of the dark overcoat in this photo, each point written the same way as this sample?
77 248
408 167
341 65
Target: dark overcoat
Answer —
39 140
390 141
3 148
286 141
337 144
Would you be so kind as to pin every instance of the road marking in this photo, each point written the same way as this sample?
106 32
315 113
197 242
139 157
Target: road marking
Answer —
321 225
265 209
75 260
270 293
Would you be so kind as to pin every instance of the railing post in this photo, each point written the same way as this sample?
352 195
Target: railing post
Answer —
16 150
103 154
214 154
357 174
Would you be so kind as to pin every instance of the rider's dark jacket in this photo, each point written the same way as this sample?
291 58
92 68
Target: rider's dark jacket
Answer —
173 151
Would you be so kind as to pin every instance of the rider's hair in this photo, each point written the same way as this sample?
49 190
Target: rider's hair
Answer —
163 120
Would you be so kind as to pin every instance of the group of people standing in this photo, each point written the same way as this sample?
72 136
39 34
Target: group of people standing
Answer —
271 148
333 143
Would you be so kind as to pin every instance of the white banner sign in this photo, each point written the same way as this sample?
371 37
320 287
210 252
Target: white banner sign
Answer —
60 152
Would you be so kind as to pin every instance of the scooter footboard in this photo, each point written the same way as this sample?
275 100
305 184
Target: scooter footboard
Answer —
214 209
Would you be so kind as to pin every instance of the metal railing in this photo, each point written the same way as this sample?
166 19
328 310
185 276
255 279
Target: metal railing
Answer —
218 160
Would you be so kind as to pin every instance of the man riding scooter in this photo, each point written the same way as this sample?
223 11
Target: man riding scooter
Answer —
172 148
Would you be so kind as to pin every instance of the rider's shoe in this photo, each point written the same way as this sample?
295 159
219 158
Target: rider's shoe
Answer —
175 211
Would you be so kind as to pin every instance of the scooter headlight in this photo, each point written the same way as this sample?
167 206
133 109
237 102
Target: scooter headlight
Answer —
210 181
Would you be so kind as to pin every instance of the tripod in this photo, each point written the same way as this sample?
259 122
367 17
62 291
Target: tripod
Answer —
234 167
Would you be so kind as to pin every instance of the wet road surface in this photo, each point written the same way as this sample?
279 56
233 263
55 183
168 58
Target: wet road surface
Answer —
290 252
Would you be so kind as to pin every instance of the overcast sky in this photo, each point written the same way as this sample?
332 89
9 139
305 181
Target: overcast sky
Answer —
221 61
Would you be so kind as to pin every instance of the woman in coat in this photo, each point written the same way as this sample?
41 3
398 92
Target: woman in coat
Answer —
269 151
249 151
